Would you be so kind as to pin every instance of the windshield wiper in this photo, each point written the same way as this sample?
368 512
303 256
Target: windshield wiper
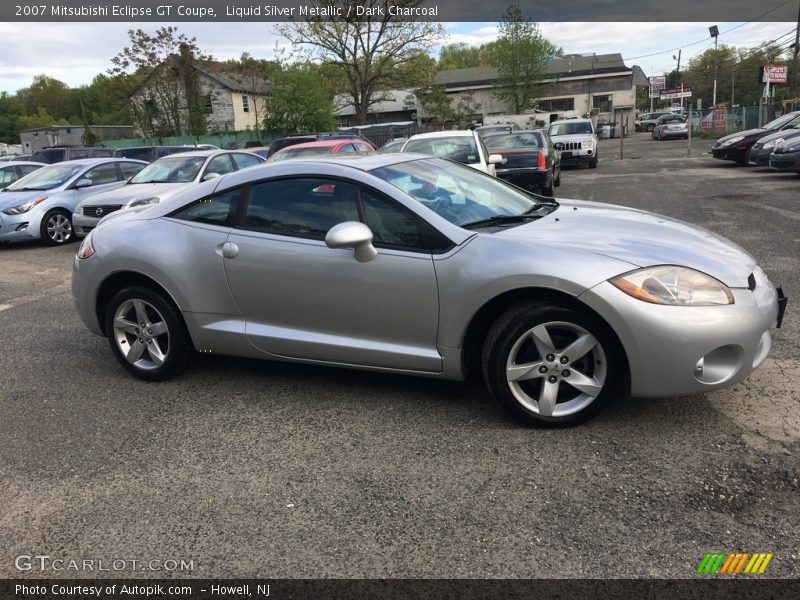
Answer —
26 189
532 213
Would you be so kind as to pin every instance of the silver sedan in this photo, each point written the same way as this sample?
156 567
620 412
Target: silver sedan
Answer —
409 264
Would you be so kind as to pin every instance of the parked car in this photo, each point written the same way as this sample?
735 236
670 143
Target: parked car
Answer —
322 148
786 156
530 160
394 145
57 154
291 140
647 121
159 180
736 145
39 206
19 157
419 265
12 170
485 130
261 151
465 147
671 126
761 151
577 141
150 153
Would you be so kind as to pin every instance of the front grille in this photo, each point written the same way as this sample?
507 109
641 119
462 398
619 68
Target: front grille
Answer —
571 145
100 211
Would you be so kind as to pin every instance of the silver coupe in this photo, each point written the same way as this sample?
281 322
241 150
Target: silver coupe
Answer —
405 263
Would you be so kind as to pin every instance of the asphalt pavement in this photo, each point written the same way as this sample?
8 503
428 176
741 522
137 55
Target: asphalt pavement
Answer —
258 469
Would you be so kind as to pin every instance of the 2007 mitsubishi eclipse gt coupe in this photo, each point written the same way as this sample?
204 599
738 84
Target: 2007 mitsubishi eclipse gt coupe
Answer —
406 263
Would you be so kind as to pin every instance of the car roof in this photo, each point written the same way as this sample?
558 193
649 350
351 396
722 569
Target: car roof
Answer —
21 163
88 162
441 134
332 143
203 153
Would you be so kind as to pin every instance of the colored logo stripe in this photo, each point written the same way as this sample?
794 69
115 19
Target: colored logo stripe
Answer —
724 563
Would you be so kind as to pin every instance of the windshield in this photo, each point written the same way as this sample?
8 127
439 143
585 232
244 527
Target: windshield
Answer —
460 149
570 128
46 178
514 140
177 169
781 121
300 152
460 194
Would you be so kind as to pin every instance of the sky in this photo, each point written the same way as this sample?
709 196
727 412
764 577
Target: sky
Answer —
75 52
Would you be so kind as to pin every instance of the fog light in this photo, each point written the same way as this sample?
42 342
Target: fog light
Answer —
21 227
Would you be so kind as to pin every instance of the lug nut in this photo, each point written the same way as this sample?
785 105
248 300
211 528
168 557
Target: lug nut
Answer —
565 373
563 360
552 379
141 341
550 357
542 369
150 331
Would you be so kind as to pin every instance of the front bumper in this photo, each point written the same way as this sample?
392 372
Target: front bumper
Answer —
82 224
578 157
680 351
733 152
759 157
20 228
85 288
785 161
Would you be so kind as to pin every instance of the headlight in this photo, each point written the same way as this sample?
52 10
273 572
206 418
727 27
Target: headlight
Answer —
673 285
772 143
733 140
144 202
86 248
589 143
23 208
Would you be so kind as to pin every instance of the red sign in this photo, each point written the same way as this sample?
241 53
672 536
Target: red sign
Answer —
774 74
672 93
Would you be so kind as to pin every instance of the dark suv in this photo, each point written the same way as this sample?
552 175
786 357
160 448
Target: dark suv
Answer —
150 153
56 154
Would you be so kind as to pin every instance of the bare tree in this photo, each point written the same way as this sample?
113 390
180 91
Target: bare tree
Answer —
374 52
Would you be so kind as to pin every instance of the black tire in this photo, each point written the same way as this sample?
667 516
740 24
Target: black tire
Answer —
510 342
557 182
174 344
593 163
547 190
56 228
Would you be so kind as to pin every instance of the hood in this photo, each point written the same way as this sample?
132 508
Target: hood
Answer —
10 199
784 134
135 191
746 133
572 137
640 238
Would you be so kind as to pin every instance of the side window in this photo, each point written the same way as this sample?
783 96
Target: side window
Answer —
304 207
391 224
362 148
219 164
245 160
216 210
8 176
102 174
346 149
26 169
75 154
129 169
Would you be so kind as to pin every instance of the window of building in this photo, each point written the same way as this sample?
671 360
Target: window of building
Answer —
245 103
208 106
603 103
556 104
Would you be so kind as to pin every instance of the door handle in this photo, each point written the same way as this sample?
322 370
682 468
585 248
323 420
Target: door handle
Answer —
230 250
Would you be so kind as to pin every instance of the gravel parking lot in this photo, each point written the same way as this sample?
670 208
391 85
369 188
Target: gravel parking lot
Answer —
272 470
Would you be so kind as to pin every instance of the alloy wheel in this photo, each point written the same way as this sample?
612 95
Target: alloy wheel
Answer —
141 334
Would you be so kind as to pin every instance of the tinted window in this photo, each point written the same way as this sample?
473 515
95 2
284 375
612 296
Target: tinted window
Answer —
7 176
137 153
49 156
245 160
171 169
570 128
362 148
219 164
76 154
389 223
129 169
102 174
306 207
514 140
217 210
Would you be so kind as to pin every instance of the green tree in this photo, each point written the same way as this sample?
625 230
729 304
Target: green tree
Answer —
520 55
298 101
464 56
371 53
167 101
10 113
48 94
436 106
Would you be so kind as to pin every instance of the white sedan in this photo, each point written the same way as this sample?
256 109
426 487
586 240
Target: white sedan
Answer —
465 147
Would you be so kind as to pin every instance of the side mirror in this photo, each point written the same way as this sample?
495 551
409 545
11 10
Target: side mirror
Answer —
355 235
495 159
83 183
208 176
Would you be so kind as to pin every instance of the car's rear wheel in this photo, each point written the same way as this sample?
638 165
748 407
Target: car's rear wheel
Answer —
56 228
147 334
548 365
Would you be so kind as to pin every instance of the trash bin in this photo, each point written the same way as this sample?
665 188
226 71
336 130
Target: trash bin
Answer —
605 132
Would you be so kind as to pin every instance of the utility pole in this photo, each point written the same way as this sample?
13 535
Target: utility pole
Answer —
714 31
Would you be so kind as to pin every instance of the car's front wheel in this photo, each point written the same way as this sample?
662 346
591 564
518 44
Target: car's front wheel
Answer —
56 228
147 334
549 365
